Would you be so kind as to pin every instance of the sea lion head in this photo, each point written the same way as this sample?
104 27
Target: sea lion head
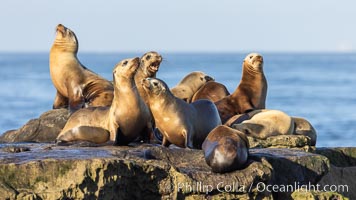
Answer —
193 81
201 77
154 87
225 149
126 68
149 63
254 60
66 39
224 157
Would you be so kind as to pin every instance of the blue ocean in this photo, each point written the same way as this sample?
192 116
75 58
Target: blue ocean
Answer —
318 87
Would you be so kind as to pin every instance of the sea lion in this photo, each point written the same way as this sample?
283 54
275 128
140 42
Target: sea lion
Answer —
149 66
181 123
76 85
251 92
126 119
211 90
225 149
266 123
190 84
237 119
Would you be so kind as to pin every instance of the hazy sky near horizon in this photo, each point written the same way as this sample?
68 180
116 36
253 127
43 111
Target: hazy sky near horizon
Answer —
184 25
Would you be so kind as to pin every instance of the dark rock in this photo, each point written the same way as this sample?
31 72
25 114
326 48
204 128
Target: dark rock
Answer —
44 129
343 170
317 195
300 142
146 172
293 168
339 157
15 149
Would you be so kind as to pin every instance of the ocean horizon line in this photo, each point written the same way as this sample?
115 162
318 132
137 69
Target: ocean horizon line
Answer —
190 52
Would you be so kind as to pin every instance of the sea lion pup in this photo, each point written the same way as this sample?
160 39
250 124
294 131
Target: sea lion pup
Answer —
181 123
211 90
126 119
190 84
76 85
251 92
266 123
225 149
149 65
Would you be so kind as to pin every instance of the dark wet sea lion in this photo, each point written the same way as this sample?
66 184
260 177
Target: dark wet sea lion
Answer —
225 149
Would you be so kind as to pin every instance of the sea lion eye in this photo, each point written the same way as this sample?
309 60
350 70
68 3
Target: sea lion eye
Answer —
201 78
148 57
251 57
125 63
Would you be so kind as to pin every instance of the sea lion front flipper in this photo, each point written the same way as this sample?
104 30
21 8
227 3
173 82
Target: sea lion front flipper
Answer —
60 101
165 142
76 99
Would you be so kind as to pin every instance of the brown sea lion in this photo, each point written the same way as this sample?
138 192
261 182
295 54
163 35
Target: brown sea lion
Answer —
251 92
126 119
264 123
181 123
76 85
190 84
225 149
211 90
149 65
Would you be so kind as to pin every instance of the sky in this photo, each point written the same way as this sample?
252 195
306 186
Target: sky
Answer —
182 26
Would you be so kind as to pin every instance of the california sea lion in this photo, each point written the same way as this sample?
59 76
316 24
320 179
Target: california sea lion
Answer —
190 84
266 123
149 65
76 85
181 123
211 90
225 149
251 92
126 119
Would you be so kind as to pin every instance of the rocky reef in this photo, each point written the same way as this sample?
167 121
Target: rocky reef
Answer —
47 171
281 167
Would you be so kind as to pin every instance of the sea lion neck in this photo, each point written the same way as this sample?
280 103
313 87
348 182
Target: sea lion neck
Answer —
62 47
249 73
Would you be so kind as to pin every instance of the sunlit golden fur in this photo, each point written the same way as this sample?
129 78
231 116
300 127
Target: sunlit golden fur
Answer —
190 84
181 123
76 86
124 121
251 92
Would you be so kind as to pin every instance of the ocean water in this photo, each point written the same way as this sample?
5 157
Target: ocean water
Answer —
318 87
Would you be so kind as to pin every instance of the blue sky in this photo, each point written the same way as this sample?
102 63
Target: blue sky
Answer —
181 26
